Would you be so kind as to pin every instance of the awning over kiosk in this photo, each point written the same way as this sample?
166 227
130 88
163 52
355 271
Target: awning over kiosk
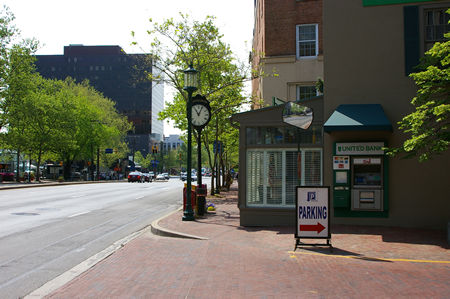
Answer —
358 117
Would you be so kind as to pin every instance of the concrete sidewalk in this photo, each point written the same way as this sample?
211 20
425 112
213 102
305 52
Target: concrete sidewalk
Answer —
217 258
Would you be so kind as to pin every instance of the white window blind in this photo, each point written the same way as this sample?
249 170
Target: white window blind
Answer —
255 176
272 175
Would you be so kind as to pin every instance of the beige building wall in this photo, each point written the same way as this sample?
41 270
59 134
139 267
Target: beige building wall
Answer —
364 64
286 72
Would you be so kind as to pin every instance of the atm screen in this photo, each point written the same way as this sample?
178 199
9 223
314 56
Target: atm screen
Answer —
367 175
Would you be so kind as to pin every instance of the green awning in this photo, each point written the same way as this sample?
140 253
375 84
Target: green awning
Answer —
358 117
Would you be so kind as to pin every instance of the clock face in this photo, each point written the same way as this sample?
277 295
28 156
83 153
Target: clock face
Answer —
200 115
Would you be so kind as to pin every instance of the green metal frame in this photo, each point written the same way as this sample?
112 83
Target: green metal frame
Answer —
344 210
389 2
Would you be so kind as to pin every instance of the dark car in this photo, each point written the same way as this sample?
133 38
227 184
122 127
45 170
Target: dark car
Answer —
7 176
136 176
147 177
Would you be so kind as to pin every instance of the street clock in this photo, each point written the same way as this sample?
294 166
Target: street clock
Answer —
201 112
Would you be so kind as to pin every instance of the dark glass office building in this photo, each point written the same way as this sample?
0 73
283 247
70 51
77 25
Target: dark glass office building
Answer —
121 78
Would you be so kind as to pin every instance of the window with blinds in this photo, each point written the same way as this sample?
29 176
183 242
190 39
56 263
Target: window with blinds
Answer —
273 175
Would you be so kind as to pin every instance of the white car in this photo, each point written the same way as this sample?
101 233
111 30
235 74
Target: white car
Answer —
160 177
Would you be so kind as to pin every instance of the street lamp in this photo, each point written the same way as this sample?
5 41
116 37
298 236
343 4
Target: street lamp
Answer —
190 85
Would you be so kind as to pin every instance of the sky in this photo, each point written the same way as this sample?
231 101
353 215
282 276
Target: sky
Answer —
59 23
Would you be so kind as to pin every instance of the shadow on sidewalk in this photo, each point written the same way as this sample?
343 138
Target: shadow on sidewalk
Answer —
397 234
228 215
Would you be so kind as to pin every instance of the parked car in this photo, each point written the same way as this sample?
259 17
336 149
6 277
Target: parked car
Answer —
7 176
183 176
161 177
136 176
147 177
193 177
166 175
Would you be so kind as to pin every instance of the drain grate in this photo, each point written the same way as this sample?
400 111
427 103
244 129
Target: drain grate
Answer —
25 214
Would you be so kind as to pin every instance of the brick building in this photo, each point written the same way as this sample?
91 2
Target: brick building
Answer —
287 37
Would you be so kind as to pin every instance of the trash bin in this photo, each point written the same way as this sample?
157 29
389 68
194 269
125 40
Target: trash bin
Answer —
201 199
193 199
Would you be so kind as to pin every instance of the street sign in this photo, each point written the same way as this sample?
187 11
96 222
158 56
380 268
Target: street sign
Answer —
313 213
108 150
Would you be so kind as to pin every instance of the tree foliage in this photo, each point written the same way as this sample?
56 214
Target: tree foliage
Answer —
42 118
178 44
429 124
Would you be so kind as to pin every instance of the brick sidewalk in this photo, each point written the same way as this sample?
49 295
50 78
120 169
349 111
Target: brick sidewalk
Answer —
240 262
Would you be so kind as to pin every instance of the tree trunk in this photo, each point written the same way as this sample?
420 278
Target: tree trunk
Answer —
38 170
18 166
67 169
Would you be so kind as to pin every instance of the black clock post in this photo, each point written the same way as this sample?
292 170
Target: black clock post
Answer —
201 115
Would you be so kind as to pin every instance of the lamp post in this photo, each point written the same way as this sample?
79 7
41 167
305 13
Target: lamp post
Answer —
190 85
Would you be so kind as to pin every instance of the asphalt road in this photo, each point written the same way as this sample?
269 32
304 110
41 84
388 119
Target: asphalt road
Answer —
46 231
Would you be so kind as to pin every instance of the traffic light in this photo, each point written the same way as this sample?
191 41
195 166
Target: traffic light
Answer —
154 149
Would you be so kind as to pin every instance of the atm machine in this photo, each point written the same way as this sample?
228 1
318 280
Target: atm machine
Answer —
358 183
367 183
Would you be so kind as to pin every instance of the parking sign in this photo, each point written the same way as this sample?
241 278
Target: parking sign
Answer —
312 213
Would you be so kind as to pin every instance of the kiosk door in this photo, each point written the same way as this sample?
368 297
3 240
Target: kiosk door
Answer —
367 183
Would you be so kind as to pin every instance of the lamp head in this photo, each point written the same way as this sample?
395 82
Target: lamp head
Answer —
190 79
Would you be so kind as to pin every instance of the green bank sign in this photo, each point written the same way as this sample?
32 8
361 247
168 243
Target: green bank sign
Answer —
388 2
360 148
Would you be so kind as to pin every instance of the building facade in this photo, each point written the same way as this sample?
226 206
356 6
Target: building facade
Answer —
367 63
367 91
288 41
172 142
121 78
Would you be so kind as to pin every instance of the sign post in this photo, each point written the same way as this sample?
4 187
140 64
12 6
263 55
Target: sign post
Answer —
312 215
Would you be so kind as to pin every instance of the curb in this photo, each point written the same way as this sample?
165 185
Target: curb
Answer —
6 187
79 269
160 231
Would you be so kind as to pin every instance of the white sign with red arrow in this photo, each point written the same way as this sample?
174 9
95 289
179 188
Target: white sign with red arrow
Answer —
312 213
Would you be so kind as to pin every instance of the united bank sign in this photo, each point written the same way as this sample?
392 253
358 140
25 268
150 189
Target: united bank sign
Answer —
360 148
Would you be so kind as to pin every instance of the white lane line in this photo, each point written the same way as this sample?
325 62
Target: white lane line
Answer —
79 214
140 197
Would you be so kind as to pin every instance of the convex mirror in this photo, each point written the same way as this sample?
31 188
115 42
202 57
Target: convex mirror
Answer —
297 115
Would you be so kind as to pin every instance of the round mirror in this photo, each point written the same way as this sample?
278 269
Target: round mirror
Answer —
297 115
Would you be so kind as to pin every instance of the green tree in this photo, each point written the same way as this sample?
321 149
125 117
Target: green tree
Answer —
91 123
178 44
429 124
20 80
145 162
7 33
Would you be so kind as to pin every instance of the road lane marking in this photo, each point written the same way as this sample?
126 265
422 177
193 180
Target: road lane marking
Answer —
140 197
369 258
79 214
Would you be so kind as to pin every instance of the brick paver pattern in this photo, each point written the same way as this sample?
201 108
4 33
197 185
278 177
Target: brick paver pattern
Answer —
241 262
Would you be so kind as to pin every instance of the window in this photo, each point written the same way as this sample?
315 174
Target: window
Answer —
306 92
272 175
436 24
257 136
307 40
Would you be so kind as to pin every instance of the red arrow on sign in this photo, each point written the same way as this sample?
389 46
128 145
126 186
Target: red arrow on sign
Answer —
311 228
